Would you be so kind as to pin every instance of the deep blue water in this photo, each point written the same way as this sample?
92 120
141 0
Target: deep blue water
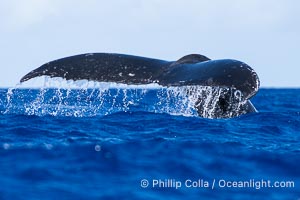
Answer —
84 144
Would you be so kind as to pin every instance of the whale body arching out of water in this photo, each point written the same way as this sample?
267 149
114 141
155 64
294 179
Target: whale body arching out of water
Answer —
190 70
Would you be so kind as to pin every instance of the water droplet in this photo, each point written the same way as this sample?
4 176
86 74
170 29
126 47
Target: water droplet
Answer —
97 148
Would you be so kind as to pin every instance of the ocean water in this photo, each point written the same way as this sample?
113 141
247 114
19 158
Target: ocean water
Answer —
145 143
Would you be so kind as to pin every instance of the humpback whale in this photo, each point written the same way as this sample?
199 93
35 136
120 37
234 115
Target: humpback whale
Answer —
233 76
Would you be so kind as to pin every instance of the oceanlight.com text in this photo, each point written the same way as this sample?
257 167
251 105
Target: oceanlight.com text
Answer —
216 183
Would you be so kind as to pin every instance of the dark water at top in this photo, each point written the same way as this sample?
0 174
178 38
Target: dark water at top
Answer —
71 144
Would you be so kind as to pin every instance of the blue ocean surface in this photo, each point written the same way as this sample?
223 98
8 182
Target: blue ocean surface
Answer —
145 144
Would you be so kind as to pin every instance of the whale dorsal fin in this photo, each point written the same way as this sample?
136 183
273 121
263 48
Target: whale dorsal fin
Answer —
191 59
